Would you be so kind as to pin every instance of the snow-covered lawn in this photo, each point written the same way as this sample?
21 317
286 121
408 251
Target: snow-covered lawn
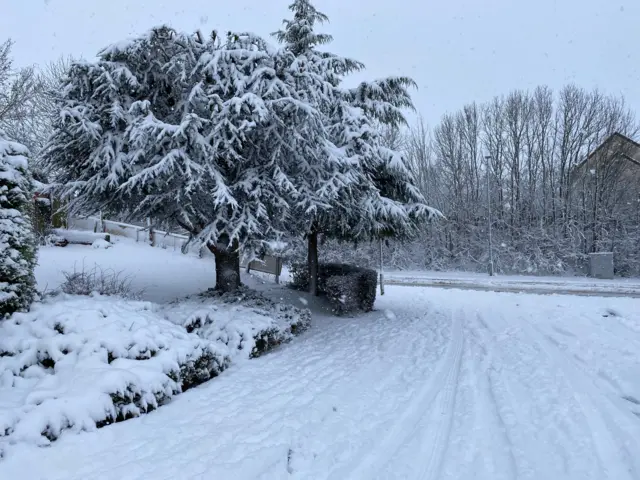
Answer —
163 275
435 384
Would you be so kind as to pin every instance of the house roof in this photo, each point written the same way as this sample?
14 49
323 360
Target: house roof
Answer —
631 153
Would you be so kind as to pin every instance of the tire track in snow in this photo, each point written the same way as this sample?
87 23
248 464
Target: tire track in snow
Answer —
486 380
440 388
444 414
517 425
612 453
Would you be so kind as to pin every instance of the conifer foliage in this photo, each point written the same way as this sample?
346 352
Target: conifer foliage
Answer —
188 131
236 141
383 201
17 243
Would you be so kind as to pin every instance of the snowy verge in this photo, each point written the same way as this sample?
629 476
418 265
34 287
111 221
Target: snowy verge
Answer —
80 363
249 323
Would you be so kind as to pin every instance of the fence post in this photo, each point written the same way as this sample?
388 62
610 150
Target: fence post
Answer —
67 218
381 272
151 234
278 269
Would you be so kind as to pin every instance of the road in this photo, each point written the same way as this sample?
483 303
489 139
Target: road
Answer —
543 289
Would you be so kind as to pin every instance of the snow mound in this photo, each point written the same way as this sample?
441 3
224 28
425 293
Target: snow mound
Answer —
101 243
80 236
248 323
81 363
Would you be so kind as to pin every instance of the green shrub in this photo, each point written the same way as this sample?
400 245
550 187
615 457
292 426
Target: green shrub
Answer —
347 287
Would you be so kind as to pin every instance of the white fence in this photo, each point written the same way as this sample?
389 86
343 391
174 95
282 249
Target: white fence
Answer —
168 240
156 238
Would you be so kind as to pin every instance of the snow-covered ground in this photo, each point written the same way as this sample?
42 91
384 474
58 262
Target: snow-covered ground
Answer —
164 275
435 384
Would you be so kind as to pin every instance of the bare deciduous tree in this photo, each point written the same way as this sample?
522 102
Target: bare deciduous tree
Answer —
549 210
27 99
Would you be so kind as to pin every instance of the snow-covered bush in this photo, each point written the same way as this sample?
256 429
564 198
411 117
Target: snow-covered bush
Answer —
352 291
98 281
104 244
347 287
246 321
17 242
81 363
299 272
53 240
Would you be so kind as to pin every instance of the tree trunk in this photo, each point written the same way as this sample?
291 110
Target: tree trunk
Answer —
312 262
227 267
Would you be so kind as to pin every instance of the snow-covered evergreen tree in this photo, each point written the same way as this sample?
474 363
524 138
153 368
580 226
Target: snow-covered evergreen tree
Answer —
189 131
17 244
381 200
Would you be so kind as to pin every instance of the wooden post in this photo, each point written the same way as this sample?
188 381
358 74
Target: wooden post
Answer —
151 235
278 269
312 261
381 272
67 218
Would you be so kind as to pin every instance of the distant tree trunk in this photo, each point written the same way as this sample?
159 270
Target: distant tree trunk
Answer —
312 261
227 266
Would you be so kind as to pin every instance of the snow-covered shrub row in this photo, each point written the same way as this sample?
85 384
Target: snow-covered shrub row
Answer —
247 322
347 287
81 363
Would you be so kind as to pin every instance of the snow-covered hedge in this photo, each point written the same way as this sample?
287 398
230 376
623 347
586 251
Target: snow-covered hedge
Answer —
80 363
247 322
347 287
17 242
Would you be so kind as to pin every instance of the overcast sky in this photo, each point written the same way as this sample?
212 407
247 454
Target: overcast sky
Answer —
458 51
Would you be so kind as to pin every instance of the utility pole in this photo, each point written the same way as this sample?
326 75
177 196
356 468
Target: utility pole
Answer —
488 159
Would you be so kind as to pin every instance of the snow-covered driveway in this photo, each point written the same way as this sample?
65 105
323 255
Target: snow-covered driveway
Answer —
437 384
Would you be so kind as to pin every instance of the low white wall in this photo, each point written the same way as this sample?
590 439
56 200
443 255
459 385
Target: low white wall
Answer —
162 239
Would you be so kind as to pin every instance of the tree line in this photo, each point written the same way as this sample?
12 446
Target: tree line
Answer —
513 163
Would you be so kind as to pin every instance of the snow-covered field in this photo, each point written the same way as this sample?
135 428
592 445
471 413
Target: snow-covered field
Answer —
434 384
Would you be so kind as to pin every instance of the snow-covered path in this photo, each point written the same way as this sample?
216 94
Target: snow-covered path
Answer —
437 384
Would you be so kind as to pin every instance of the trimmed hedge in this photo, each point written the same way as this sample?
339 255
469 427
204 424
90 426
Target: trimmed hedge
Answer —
266 325
347 287
78 363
